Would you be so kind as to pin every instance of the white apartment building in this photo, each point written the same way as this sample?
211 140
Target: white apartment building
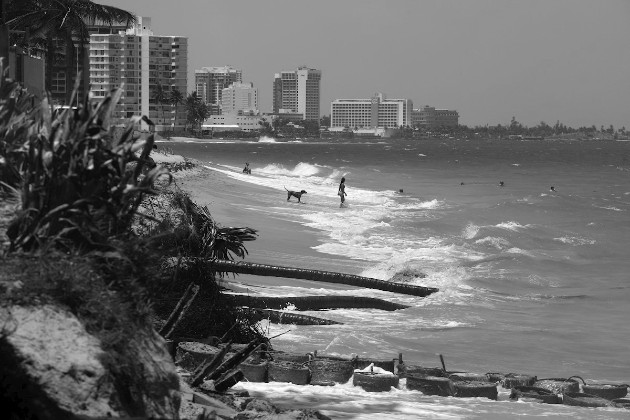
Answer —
297 92
239 97
210 82
138 61
377 111
236 122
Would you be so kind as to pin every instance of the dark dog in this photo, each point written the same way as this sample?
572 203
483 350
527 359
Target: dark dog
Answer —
296 194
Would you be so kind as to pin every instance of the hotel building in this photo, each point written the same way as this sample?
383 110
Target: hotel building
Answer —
430 117
377 111
210 82
297 92
239 98
139 61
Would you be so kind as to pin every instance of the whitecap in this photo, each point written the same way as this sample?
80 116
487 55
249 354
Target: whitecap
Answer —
498 243
266 139
575 240
513 226
470 231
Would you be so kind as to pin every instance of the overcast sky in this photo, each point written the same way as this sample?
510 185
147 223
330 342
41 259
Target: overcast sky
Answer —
536 60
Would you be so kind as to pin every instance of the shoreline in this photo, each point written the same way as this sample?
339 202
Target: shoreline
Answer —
280 241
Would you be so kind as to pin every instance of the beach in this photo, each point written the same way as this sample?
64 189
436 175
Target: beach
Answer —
280 241
531 281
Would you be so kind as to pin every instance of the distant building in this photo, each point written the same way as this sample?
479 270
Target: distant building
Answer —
210 82
377 111
235 122
297 92
139 61
430 117
239 97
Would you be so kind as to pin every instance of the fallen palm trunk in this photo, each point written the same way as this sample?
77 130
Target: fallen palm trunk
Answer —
278 317
314 303
318 275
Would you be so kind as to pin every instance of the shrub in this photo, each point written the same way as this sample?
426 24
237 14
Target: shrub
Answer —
78 185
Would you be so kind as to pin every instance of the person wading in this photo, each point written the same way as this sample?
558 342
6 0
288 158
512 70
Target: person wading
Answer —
342 191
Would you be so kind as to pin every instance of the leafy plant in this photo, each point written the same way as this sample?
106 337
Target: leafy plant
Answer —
79 186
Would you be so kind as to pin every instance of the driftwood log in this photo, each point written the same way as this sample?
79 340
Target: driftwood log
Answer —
314 303
280 317
241 267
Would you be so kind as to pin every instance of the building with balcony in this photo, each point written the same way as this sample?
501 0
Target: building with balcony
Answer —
239 98
210 82
377 111
141 63
430 117
297 92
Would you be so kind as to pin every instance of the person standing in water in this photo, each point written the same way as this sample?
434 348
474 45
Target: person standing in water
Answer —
342 191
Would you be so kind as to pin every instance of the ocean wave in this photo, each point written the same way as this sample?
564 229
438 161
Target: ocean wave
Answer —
498 243
520 251
266 139
575 240
613 208
470 231
445 326
301 170
513 226
416 205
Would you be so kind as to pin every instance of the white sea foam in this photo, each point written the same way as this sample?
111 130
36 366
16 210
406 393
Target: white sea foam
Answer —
513 226
300 170
470 231
266 139
575 240
516 250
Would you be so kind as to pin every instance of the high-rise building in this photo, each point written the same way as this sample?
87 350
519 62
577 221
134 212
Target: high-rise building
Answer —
297 92
59 76
210 82
239 98
377 111
142 64
430 117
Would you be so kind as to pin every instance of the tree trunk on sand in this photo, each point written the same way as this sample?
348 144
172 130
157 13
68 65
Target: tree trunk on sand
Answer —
314 303
317 275
188 301
209 366
283 317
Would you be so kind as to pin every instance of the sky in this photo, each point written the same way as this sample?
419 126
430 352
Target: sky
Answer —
491 60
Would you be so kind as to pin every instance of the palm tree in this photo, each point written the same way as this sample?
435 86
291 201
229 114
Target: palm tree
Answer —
176 98
44 21
196 110
160 96
317 275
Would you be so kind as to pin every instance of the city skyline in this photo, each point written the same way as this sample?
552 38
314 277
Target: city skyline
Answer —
491 60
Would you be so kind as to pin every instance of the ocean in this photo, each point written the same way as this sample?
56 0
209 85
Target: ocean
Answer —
530 280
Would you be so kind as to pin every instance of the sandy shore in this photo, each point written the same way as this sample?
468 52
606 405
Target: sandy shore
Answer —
280 241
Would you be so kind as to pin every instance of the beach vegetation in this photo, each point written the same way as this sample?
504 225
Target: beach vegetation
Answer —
196 111
76 195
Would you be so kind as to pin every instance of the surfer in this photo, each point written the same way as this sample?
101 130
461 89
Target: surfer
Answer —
342 191
247 169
